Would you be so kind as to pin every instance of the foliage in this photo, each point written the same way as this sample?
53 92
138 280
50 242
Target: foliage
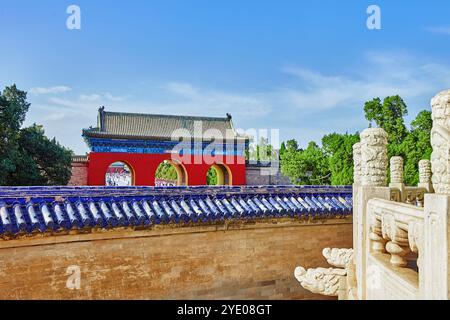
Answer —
309 166
333 162
416 146
211 177
261 151
388 116
339 150
27 156
166 171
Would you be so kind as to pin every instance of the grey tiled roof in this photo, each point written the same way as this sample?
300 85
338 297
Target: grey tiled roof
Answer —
80 158
119 124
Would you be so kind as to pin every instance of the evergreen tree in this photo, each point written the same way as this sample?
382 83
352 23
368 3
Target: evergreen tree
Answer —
27 156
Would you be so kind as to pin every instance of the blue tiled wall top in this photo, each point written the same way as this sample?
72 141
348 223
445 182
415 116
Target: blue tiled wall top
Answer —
50 209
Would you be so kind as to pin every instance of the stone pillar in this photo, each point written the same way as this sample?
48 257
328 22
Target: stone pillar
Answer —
435 278
434 275
356 184
425 175
357 163
440 141
374 157
396 169
373 148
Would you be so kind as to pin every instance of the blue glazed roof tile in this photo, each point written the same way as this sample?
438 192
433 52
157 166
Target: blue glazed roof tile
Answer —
50 209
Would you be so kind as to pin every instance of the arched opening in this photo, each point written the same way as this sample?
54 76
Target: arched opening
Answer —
219 175
170 173
119 174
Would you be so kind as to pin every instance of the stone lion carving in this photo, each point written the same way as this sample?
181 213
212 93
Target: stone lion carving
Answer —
320 280
338 257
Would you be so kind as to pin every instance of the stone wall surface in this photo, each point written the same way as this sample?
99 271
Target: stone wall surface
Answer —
265 176
241 260
79 174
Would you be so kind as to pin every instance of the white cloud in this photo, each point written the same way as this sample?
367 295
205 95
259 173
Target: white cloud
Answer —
306 106
182 88
111 97
100 97
64 102
212 102
90 97
49 90
439 30
383 74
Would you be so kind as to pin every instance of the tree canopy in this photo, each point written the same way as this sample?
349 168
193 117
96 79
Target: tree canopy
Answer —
309 166
27 156
332 163
166 171
339 150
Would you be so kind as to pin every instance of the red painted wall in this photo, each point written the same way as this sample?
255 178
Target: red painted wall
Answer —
144 167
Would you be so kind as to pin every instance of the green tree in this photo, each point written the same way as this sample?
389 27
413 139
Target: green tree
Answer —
306 167
166 171
389 116
416 146
413 145
27 156
339 149
282 148
13 108
211 177
292 145
262 151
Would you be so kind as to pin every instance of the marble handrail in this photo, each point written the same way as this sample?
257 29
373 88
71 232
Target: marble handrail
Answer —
396 228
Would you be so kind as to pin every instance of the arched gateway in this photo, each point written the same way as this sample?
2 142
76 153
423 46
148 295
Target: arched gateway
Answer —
144 141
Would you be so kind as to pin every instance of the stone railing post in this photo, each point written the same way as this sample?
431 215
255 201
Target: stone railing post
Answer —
357 163
372 165
440 141
374 157
397 182
374 169
397 171
435 280
356 184
425 175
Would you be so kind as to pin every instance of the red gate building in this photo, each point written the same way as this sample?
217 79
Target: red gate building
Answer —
141 142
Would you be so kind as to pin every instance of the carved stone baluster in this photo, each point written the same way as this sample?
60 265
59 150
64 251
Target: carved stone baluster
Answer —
376 236
411 197
373 157
395 195
420 198
415 236
398 244
440 141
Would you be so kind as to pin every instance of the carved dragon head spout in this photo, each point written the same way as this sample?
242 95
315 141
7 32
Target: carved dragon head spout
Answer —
338 257
320 280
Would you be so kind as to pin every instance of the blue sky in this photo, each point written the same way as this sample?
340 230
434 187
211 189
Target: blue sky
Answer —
304 67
